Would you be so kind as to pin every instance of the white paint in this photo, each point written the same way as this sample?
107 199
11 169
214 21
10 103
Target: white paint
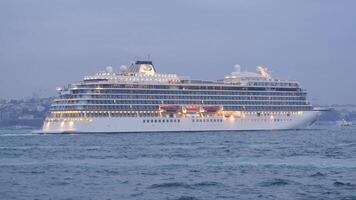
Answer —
136 124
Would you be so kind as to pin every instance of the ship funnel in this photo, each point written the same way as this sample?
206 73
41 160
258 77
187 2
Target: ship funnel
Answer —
144 67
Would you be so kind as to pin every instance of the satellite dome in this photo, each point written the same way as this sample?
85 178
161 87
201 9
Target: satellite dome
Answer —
109 69
123 68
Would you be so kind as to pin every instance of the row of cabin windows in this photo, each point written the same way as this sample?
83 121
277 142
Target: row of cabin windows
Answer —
268 120
255 120
201 87
162 92
187 96
156 108
258 96
274 84
124 86
209 102
153 97
207 120
210 120
161 121
102 114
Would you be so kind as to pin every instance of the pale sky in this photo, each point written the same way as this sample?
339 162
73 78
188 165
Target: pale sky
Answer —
47 43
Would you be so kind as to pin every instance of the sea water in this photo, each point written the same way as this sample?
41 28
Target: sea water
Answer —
317 163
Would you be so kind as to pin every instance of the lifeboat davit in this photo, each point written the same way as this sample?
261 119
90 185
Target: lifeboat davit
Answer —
211 108
170 108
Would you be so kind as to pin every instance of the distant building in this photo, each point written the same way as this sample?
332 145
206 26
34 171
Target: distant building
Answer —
26 116
40 108
6 115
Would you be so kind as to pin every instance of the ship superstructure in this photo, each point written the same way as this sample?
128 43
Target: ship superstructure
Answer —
139 99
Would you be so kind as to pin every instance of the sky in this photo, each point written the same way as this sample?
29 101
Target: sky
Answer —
44 44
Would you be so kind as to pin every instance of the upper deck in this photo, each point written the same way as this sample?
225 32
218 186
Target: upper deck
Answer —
141 87
144 72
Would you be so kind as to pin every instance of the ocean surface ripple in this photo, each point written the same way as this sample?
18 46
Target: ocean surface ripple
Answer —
318 163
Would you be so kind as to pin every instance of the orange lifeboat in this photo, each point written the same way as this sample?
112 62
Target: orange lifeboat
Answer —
211 108
170 108
192 108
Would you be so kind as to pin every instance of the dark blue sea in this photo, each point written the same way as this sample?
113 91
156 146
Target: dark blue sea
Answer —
319 163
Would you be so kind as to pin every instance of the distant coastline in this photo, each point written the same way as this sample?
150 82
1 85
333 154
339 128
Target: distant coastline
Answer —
23 112
29 113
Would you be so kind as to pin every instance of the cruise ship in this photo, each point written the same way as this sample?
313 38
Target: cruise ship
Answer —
140 99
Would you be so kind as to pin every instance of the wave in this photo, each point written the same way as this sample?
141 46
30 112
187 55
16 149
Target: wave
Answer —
18 134
186 185
276 182
186 198
59 183
318 174
170 185
340 184
207 183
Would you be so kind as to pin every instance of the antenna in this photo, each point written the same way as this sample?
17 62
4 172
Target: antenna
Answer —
148 57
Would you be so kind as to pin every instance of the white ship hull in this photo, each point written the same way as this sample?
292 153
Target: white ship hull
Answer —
299 120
